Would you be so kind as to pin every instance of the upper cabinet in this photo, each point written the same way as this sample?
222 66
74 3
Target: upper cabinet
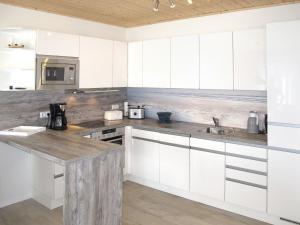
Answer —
156 63
249 59
135 64
216 61
120 64
185 62
58 44
96 63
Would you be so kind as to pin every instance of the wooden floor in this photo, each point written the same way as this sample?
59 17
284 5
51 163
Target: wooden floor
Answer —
142 206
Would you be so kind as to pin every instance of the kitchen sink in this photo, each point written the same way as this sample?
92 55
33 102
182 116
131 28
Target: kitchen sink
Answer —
22 131
217 130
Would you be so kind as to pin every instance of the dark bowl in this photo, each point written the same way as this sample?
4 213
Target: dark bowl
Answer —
164 117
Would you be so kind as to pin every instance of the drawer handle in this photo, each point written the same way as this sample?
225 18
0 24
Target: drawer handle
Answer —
58 176
161 142
246 170
246 157
246 183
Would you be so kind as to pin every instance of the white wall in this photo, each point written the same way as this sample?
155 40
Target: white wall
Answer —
215 23
11 16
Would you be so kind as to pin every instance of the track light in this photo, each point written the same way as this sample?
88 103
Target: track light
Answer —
155 5
190 1
172 3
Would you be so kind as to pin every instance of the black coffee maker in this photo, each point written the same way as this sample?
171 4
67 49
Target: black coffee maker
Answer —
58 120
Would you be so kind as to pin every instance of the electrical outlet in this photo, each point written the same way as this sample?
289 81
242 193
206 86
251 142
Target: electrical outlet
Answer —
44 114
114 107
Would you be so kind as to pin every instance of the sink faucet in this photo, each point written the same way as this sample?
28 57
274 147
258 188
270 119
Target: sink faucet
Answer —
216 121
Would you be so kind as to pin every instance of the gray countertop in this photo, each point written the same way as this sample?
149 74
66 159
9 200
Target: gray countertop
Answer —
60 146
239 136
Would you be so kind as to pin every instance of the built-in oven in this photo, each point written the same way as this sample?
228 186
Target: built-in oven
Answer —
112 135
55 72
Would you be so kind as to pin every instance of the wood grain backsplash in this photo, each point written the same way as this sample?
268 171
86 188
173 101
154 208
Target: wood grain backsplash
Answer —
22 108
199 106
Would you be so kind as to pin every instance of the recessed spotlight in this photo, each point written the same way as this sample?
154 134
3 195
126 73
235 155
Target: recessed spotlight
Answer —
190 1
155 5
172 4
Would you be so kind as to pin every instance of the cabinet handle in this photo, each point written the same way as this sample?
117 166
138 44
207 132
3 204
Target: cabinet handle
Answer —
246 183
58 176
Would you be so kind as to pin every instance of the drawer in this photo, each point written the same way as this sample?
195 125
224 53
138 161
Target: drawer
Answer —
244 150
59 187
173 139
144 134
246 164
58 169
247 196
247 177
207 144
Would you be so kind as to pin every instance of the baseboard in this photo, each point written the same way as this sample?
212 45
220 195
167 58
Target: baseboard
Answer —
261 216
15 200
46 200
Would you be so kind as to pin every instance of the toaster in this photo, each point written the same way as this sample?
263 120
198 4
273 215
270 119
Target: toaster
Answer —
136 113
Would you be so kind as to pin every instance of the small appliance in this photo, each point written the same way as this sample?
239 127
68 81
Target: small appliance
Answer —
113 115
126 109
262 123
136 112
252 124
56 73
58 120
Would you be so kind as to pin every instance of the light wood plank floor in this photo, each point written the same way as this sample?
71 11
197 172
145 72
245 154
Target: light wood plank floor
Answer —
142 206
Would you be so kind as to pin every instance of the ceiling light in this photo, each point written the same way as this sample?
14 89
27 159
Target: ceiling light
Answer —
172 3
155 5
190 1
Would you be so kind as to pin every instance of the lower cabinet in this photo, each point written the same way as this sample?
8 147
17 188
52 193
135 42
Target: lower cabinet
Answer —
207 174
284 185
145 160
174 166
48 182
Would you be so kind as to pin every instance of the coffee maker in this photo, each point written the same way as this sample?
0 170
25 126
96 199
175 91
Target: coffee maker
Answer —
58 120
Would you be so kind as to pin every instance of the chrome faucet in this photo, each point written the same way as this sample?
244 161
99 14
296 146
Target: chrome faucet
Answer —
216 121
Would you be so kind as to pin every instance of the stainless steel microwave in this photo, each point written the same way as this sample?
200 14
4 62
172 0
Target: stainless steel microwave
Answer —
56 73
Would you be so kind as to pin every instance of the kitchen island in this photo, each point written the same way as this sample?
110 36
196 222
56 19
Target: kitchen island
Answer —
93 173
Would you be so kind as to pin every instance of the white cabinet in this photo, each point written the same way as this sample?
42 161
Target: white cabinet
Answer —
135 64
207 174
59 44
174 166
96 64
156 63
145 160
249 48
216 61
284 185
48 182
207 168
283 54
185 62
120 64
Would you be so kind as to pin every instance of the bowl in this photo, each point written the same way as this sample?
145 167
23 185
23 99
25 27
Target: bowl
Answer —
164 117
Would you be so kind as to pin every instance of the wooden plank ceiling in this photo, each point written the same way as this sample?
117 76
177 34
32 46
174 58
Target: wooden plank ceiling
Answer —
131 13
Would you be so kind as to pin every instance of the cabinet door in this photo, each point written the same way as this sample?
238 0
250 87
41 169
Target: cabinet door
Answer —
249 59
95 63
207 174
59 44
216 61
135 64
283 54
156 63
284 185
185 62
120 64
145 160
174 166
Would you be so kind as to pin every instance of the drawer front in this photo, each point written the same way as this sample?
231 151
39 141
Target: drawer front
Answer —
207 144
246 196
173 139
59 188
246 177
144 134
243 150
246 164
58 169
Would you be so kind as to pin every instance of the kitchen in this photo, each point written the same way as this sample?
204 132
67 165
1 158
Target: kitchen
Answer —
227 154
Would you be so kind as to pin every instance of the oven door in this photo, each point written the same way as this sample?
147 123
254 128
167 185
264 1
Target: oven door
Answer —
116 140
